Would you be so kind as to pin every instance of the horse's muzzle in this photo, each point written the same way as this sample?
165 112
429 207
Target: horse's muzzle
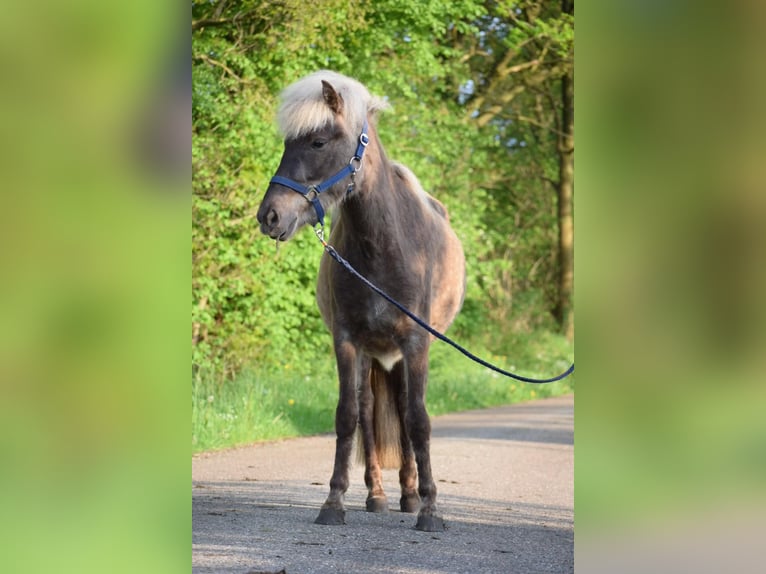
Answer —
274 225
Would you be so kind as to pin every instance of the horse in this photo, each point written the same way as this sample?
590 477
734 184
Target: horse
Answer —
397 236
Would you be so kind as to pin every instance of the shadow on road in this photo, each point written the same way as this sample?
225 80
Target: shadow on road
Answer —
269 526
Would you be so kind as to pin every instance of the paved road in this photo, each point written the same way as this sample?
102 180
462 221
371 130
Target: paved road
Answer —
506 490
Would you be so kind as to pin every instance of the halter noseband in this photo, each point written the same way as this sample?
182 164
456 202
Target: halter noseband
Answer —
311 192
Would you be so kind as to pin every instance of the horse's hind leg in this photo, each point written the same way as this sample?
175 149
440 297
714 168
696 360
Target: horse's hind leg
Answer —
408 473
373 478
346 415
419 428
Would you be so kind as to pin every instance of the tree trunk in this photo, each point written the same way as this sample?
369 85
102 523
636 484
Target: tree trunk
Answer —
565 307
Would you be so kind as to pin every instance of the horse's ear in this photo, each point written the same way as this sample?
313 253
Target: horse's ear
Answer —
332 98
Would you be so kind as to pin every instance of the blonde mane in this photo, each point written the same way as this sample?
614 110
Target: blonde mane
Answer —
304 110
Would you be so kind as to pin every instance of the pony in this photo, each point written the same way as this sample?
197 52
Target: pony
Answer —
397 236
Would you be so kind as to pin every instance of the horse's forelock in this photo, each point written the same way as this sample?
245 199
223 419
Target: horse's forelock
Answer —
299 117
304 110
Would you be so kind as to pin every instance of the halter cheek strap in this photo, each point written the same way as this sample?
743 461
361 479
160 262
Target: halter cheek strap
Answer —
311 192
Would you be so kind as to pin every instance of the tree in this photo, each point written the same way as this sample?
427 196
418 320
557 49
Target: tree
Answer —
522 86
484 146
565 188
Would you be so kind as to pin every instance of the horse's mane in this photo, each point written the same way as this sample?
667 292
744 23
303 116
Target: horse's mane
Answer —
304 110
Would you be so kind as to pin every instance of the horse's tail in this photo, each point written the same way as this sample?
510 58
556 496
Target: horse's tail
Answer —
386 424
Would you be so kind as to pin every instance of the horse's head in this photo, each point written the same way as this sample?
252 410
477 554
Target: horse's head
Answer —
322 148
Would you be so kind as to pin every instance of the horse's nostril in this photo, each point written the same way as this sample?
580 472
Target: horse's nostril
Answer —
272 218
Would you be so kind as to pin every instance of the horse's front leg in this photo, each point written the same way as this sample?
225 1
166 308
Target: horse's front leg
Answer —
346 416
419 427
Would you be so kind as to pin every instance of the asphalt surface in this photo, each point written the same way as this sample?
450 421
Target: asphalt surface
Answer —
506 491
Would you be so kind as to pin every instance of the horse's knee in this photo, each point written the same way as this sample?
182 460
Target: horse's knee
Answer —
418 423
346 420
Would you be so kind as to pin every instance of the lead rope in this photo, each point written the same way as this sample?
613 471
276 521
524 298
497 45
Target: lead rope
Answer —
319 231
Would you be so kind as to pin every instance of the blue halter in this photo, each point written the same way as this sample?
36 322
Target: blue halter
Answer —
311 192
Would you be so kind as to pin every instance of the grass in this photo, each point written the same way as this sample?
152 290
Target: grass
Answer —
263 406
457 383
290 402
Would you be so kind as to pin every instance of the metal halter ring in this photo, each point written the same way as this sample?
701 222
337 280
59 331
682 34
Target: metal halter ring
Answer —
358 166
311 194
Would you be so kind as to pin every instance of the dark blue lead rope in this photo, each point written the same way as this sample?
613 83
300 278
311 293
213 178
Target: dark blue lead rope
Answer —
335 255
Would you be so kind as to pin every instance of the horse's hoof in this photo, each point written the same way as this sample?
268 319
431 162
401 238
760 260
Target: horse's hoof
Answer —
377 504
430 523
409 503
331 517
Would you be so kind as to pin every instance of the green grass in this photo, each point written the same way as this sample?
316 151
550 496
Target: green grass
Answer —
457 383
263 406
271 405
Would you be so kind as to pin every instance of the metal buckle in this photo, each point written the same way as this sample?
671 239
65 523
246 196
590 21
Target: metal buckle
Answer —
355 168
311 189
364 139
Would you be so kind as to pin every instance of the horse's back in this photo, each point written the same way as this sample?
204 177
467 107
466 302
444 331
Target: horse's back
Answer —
410 181
438 207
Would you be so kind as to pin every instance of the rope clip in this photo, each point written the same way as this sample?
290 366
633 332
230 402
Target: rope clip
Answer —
319 232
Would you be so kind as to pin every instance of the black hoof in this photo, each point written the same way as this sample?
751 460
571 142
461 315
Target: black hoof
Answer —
430 523
409 503
331 517
377 504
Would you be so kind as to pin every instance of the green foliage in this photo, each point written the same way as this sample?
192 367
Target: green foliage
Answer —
253 308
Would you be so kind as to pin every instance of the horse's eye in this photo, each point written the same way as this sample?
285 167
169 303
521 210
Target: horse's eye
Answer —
318 144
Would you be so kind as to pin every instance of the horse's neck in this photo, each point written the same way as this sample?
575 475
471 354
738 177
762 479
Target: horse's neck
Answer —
370 212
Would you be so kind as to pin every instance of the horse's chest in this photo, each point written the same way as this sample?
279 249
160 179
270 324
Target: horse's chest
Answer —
376 326
374 317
